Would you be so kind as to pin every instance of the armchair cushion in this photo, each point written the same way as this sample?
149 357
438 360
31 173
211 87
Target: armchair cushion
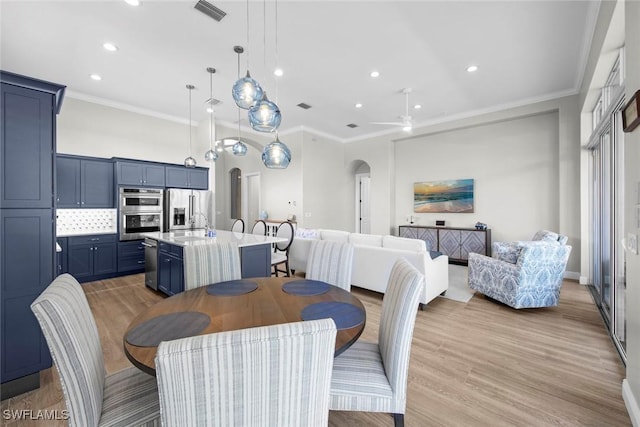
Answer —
506 251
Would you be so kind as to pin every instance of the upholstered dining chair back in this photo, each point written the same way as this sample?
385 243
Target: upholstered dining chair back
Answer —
280 254
397 320
266 376
372 377
285 230
260 228
211 263
128 397
330 262
238 226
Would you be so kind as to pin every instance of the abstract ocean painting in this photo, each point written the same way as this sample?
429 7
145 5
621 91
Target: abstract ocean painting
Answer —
452 196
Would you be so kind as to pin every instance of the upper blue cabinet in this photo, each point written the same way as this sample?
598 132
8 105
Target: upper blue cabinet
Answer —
182 177
140 174
84 182
28 141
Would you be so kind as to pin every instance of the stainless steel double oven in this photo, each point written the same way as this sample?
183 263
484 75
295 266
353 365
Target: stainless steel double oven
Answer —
140 211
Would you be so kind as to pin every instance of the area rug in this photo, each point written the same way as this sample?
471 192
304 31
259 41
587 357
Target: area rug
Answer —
458 288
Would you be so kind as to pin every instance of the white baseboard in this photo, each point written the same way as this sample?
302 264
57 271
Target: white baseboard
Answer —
572 275
633 408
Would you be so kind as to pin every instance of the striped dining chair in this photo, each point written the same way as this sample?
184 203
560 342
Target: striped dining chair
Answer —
267 376
211 263
125 398
331 262
372 377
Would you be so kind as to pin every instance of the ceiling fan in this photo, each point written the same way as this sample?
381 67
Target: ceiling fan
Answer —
405 120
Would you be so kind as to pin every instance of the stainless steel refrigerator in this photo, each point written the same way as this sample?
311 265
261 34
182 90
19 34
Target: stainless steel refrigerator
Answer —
187 209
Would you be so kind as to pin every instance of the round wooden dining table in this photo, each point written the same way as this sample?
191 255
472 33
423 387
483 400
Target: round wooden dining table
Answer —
199 312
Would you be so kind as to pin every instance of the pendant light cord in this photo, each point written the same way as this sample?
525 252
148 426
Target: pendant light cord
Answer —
276 44
247 38
211 111
190 89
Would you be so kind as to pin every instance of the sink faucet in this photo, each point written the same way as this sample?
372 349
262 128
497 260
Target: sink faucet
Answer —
192 220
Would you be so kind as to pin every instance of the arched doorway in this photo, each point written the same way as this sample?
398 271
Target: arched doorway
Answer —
362 178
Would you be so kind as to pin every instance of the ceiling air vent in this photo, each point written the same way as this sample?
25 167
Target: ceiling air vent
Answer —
210 10
304 106
212 101
352 125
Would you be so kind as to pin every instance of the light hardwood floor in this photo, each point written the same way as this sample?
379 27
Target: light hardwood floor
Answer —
473 364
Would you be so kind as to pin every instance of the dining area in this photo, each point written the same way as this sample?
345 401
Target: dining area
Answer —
238 351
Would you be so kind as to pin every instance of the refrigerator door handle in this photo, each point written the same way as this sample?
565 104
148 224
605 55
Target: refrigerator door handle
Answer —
191 207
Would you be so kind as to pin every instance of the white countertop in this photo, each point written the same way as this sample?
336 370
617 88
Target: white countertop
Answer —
197 237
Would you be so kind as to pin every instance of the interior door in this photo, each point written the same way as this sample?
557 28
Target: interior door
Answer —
363 203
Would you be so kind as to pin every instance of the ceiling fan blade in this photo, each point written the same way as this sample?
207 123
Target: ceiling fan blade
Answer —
387 123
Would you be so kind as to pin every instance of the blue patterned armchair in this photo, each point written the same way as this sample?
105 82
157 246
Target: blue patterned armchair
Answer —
521 274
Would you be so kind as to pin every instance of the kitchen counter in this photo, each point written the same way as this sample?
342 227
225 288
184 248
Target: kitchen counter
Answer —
167 275
196 237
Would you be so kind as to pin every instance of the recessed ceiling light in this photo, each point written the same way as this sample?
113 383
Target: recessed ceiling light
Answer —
209 110
133 2
407 128
358 105
472 68
278 72
374 74
110 47
95 77
417 106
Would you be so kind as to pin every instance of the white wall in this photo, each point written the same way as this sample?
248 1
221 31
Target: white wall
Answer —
89 129
514 164
325 184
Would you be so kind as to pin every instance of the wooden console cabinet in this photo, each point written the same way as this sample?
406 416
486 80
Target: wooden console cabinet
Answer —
456 243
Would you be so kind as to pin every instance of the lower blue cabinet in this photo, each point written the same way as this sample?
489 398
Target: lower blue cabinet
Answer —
92 257
170 269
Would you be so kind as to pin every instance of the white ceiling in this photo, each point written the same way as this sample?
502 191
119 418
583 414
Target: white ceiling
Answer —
526 51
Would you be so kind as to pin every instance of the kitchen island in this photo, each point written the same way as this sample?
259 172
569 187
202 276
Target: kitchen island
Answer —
168 274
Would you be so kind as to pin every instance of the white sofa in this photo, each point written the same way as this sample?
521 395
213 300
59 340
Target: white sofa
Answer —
373 257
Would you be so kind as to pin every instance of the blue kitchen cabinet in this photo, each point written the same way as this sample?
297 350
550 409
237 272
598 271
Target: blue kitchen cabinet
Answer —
170 269
27 257
182 177
131 257
27 269
84 182
92 257
141 174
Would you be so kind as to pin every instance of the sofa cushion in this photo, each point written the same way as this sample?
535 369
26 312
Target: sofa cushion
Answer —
365 239
404 243
307 233
335 235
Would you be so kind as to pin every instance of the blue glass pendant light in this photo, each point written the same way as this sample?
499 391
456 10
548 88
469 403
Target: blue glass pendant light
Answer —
239 148
265 115
246 92
276 155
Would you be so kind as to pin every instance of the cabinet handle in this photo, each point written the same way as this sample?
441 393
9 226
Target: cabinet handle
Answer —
82 203
95 239
140 262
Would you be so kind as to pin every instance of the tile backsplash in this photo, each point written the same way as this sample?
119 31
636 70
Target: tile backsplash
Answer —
74 222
